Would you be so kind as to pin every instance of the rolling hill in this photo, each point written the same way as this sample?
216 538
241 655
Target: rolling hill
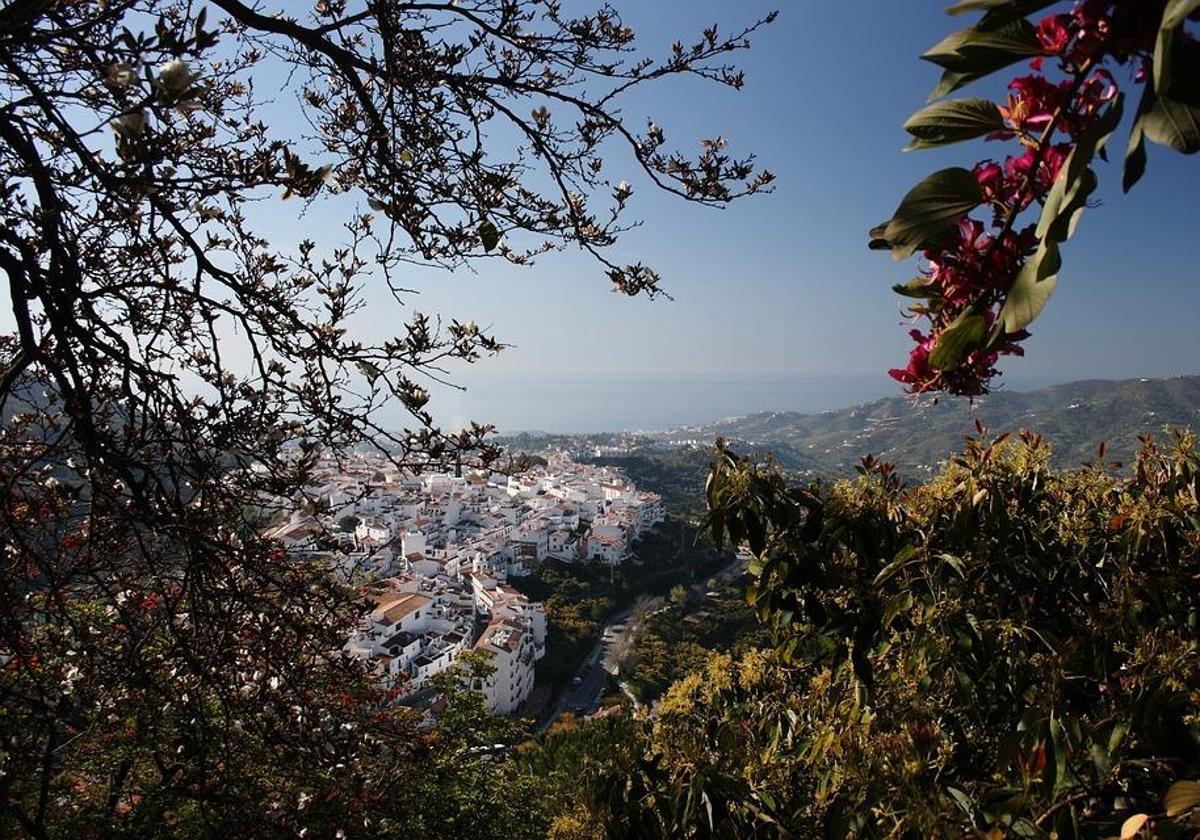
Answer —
1076 417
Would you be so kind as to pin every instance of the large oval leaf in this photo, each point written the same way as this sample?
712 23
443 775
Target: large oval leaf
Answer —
973 53
930 207
1172 123
1170 34
1029 292
953 120
956 341
1133 825
1182 797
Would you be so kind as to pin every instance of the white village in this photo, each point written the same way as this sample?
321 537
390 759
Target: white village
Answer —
435 551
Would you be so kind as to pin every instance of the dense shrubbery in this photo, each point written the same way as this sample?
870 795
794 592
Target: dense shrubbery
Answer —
675 474
679 639
1008 651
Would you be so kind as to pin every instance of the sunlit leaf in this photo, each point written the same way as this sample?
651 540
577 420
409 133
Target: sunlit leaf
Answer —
951 121
1133 825
1034 284
956 341
1182 797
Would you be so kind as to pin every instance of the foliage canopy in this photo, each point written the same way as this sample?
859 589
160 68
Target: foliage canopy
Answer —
1006 651
173 372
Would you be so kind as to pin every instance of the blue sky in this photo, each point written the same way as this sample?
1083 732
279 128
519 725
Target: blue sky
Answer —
783 283
782 286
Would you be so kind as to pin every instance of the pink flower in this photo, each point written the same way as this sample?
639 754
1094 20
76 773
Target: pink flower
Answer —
1098 90
1019 187
1054 32
969 379
1032 103
991 180
1092 26
918 371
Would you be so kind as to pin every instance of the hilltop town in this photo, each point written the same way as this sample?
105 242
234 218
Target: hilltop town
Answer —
435 551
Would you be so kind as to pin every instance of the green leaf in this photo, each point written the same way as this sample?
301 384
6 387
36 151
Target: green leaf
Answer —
1164 44
896 606
898 562
985 45
489 235
1059 744
918 287
1075 183
877 240
1172 123
1181 797
1135 154
963 801
971 54
1169 32
1116 737
956 341
1034 284
951 121
930 207
1176 11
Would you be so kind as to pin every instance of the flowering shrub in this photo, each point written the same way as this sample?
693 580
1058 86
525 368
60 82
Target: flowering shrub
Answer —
982 283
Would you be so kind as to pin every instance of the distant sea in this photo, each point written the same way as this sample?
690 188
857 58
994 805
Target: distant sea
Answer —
611 404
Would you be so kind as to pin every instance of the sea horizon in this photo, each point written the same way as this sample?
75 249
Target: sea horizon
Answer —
595 404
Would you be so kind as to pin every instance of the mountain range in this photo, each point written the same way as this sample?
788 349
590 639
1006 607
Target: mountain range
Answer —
920 432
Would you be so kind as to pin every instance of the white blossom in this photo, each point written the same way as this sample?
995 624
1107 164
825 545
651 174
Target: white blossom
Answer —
174 77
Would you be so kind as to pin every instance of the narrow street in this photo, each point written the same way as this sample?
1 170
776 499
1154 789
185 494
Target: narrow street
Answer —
583 698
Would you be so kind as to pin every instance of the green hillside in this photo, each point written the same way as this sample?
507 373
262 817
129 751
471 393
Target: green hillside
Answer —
1076 417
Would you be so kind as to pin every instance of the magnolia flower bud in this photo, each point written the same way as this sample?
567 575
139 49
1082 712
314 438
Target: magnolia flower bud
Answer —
130 125
174 77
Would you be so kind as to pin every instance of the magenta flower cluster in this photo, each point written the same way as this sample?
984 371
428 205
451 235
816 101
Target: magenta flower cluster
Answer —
973 266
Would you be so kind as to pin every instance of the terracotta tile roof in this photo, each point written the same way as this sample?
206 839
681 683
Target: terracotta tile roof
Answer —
394 606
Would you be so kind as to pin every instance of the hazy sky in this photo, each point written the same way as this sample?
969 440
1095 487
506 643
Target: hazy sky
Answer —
784 283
